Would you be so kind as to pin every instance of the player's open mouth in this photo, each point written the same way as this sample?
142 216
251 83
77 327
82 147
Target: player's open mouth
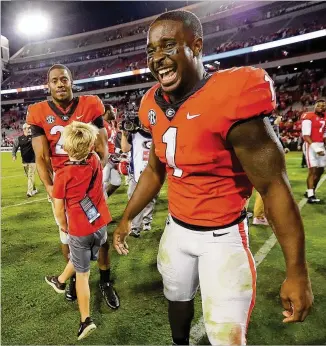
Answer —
167 75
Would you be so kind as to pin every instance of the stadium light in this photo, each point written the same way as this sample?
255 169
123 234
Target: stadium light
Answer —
33 24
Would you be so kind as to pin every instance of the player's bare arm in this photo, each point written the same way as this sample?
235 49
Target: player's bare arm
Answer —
308 139
60 213
149 185
261 156
125 146
101 146
43 162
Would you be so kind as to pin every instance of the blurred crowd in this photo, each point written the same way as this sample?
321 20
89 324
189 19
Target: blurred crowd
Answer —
296 94
280 34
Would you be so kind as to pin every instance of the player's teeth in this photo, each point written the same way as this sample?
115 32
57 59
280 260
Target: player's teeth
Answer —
165 71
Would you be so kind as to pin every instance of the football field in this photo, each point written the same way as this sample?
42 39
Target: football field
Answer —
33 314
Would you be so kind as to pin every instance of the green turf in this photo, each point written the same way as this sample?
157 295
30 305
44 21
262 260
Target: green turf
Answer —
32 313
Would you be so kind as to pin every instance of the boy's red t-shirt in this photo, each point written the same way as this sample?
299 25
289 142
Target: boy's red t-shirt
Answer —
71 183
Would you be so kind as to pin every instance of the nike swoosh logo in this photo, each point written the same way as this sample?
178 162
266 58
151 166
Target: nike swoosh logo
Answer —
192 116
78 117
219 234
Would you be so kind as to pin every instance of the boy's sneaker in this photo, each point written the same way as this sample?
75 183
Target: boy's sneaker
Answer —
29 194
110 295
313 200
54 282
86 328
147 227
70 293
34 192
135 232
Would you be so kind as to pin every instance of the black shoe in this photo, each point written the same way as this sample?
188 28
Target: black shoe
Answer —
110 295
147 227
54 282
86 328
313 200
135 233
70 293
305 194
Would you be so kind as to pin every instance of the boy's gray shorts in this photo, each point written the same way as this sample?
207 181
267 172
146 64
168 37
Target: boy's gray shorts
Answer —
85 249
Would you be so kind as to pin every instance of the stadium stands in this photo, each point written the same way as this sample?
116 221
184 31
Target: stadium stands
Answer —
244 38
226 28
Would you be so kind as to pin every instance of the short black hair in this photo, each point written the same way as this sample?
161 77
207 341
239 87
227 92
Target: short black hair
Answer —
189 20
59 67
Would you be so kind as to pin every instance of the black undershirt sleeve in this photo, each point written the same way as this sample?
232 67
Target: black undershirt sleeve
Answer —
99 122
37 131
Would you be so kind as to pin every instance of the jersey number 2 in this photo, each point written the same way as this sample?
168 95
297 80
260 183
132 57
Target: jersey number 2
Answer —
170 139
59 145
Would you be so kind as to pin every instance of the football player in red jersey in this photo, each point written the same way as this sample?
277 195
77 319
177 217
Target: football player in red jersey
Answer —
47 120
213 141
111 177
314 135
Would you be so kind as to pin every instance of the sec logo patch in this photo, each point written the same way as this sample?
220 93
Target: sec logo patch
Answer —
152 117
50 119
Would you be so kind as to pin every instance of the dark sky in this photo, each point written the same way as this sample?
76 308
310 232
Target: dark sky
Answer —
71 17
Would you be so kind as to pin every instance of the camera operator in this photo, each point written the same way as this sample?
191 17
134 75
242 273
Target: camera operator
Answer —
138 140
111 177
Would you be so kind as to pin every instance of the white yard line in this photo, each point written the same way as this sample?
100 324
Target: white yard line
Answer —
13 176
27 202
198 330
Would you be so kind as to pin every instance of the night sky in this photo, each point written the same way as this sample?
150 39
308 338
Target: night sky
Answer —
72 17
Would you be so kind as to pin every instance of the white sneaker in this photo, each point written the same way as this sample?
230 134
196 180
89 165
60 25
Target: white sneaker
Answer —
147 227
262 222
34 192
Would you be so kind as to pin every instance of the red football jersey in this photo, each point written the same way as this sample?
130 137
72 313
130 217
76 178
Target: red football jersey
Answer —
318 127
71 183
207 185
112 133
52 119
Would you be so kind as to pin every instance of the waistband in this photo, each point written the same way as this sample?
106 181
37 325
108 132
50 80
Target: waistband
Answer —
239 219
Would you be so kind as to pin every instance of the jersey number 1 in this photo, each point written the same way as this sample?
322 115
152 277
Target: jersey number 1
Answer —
170 139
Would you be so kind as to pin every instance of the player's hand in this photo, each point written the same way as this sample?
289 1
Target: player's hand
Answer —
297 298
321 153
119 237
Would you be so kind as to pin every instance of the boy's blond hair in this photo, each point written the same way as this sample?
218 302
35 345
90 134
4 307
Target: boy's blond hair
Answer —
78 139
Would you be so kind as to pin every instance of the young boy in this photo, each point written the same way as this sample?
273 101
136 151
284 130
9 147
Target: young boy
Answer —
80 207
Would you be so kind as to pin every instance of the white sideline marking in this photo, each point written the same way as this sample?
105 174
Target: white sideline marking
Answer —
198 330
27 202
13 176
